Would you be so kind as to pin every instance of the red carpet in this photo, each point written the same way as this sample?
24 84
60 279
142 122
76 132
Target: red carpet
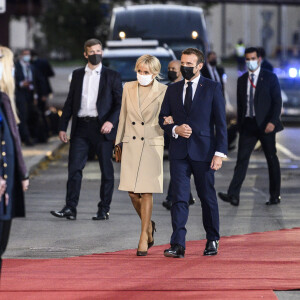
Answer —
247 267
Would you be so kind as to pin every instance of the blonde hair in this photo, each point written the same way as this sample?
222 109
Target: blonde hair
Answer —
7 82
152 62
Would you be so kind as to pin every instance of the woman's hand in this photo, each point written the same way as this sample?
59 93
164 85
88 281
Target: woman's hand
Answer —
25 184
168 120
3 187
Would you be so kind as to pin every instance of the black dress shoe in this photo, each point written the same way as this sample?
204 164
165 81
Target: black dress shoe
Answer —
66 212
211 248
175 251
231 199
167 204
153 229
273 201
101 215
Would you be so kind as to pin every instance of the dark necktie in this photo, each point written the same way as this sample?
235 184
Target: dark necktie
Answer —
251 98
188 97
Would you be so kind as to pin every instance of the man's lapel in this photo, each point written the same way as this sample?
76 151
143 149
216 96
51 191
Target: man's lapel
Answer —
259 85
199 91
102 83
80 85
180 100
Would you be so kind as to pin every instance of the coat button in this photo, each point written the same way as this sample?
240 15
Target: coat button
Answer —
134 137
142 138
133 123
143 123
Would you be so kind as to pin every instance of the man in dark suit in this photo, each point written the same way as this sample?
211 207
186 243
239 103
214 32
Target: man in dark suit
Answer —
94 103
265 64
174 76
29 87
213 71
259 106
197 107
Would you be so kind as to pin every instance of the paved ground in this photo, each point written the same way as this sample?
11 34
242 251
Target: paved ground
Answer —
40 235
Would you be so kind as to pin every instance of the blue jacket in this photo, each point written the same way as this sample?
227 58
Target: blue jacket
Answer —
207 119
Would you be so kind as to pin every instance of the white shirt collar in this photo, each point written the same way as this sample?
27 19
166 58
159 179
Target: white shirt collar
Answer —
195 80
256 73
95 71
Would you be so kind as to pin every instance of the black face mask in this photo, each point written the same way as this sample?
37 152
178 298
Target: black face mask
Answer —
213 62
187 72
172 75
95 59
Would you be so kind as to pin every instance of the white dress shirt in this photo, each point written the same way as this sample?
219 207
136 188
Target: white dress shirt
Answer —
195 82
256 74
90 89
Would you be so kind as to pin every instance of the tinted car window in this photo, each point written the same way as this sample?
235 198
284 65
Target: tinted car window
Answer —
125 66
158 24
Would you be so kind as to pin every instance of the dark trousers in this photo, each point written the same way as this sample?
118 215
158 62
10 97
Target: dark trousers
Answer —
181 170
170 193
249 136
88 135
4 236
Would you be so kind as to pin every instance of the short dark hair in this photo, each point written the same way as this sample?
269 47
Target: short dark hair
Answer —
209 53
253 49
90 43
198 53
262 52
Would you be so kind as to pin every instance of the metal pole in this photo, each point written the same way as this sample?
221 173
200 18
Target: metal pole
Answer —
223 29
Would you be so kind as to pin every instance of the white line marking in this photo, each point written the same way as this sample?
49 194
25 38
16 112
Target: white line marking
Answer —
287 152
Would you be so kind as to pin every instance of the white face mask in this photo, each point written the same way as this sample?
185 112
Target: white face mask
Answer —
252 65
144 79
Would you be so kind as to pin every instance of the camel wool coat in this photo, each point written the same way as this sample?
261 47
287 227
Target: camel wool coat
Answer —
142 138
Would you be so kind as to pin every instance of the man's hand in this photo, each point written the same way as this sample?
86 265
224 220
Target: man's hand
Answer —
270 127
25 184
63 136
3 187
25 84
168 120
107 127
216 163
184 130
44 98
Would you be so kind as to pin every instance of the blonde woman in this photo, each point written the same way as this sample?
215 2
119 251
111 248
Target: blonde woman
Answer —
143 144
7 81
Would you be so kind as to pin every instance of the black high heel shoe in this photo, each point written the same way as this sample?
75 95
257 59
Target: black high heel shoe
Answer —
153 229
141 253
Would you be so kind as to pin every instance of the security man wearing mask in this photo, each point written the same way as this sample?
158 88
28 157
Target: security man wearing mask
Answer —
174 75
258 117
212 70
94 103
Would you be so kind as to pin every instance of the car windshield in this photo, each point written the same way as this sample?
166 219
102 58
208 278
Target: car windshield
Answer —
125 66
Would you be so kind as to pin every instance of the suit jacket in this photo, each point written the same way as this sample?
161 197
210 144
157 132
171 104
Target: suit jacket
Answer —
267 100
45 69
265 64
20 171
206 118
143 141
108 102
220 70
38 81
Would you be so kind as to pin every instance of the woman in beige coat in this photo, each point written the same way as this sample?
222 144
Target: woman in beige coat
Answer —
143 144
